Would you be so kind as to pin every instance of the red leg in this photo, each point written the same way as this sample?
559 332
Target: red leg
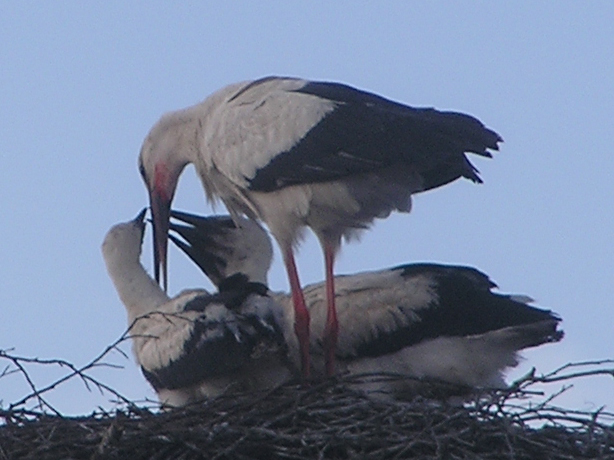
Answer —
301 314
331 331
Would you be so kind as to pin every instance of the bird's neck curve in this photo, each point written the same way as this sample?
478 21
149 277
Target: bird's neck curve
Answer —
172 144
139 293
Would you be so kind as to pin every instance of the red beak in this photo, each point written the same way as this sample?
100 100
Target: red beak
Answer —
160 213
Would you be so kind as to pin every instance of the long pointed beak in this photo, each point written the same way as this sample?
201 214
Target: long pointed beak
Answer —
140 218
160 213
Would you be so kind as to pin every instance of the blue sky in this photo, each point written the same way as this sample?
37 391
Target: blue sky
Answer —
81 83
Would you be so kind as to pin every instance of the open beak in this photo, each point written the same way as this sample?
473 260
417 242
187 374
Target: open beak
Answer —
160 214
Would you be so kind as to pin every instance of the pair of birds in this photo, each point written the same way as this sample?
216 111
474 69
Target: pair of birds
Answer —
294 154
419 321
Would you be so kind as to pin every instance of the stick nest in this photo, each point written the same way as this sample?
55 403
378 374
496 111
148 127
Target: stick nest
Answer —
328 420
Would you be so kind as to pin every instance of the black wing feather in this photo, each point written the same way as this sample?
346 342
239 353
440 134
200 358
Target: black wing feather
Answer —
366 132
465 306
216 347
205 357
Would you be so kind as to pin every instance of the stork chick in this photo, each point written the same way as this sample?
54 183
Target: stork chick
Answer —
194 345
423 321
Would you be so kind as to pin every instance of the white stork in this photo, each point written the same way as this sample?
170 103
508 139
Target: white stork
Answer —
296 153
194 345
427 321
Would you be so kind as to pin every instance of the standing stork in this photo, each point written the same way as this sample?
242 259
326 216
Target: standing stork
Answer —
295 153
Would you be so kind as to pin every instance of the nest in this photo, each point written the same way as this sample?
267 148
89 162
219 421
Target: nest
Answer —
328 420
325 420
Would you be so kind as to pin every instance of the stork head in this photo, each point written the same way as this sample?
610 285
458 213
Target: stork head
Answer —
122 243
167 149
222 247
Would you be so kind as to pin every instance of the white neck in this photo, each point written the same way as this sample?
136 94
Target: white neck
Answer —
138 292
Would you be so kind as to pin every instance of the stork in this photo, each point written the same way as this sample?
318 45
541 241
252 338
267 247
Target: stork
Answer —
426 321
194 345
295 153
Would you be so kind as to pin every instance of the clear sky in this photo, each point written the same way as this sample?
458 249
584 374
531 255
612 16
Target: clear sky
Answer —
81 83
